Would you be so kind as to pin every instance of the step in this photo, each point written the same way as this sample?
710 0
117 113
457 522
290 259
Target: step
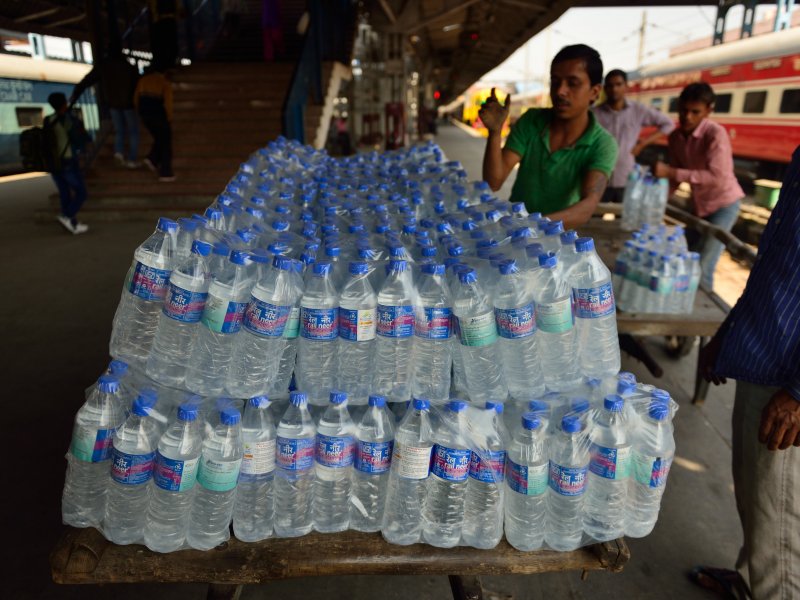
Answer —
183 186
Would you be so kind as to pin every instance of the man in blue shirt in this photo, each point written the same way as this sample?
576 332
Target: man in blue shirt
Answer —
759 346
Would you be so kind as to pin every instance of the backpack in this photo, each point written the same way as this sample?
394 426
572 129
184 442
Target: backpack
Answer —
37 148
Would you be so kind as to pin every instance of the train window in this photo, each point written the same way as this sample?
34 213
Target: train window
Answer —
723 103
790 101
754 102
673 105
29 116
657 103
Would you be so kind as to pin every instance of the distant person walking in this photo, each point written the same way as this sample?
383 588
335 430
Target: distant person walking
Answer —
117 79
700 154
153 100
624 119
66 134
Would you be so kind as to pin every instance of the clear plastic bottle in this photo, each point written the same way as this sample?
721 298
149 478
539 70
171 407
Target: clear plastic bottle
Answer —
653 451
526 484
410 468
695 274
208 365
173 485
217 475
357 329
132 461
433 344
143 293
514 315
595 312
662 281
257 350
319 328
569 463
83 502
556 324
294 475
443 513
280 385
628 289
681 287
254 507
477 332
621 266
180 318
333 456
394 344
373 456
609 466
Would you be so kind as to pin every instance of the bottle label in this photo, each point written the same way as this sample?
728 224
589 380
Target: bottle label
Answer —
433 323
175 475
610 463
514 323
620 268
357 325
480 330
567 481
529 481
412 462
292 329
335 451
555 317
319 323
131 469
661 285
265 319
593 303
218 475
682 283
295 454
91 445
450 464
373 457
258 460
395 321
490 468
183 305
148 283
651 471
221 316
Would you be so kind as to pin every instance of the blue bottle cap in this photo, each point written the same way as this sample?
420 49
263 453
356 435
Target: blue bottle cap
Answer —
213 213
409 228
282 263
548 260
298 398
662 395
278 248
259 255
518 207
627 375
358 268
229 416
496 406
187 412
396 266
467 275
658 410
421 404
433 269
333 251
108 384
613 403
569 237
554 228
307 258
456 406
140 407
338 397
508 267
200 247
239 258
570 424
537 406
262 401
118 368
625 386
531 421
579 405
280 225
221 249
379 401
321 269
167 225
534 250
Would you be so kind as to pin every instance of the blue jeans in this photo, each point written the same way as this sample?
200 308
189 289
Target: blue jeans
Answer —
71 187
125 121
709 247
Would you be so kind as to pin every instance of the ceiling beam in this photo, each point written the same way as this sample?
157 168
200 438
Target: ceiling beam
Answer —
77 33
387 10
37 15
443 14
67 21
524 4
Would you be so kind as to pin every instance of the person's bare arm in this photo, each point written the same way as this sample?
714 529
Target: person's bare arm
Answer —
642 144
594 184
497 161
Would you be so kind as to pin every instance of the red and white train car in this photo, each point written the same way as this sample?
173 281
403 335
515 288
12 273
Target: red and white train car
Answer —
757 83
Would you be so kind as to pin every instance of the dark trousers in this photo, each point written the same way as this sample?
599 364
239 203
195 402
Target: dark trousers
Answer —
613 194
71 187
164 42
161 152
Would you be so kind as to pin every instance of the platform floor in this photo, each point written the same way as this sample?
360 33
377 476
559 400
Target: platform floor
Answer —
59 295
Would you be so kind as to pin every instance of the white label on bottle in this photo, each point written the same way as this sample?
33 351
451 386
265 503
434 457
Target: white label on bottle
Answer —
259 458
555 317
480 330
357 325
412 462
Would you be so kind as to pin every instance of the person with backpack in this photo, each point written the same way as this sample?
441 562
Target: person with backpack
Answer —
153 101
63 137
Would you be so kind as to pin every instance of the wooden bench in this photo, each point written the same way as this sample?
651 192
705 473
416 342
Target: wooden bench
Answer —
84 556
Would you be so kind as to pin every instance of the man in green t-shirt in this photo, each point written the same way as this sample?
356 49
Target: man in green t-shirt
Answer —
565 157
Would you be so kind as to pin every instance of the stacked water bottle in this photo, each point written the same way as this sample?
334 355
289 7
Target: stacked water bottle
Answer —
644 200
654 272
321 293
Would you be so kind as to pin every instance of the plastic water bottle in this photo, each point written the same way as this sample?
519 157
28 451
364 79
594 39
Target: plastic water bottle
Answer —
357 325
483 505
283 378
221 321
630 285
180 318
443 513
373 456
681 287
334 455
609 466
395 334
516 324
173 486
253 509
433 328
595 312
695 274
257 350
556 324
569 463
661 282
83 502
621 266
145 287
653 451
477 333
132 461
410 468
319 329
294 476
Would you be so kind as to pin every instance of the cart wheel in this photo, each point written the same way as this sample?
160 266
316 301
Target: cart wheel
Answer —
680 345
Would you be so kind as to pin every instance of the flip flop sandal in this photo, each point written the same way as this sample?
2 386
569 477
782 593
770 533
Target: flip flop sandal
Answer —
727 583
